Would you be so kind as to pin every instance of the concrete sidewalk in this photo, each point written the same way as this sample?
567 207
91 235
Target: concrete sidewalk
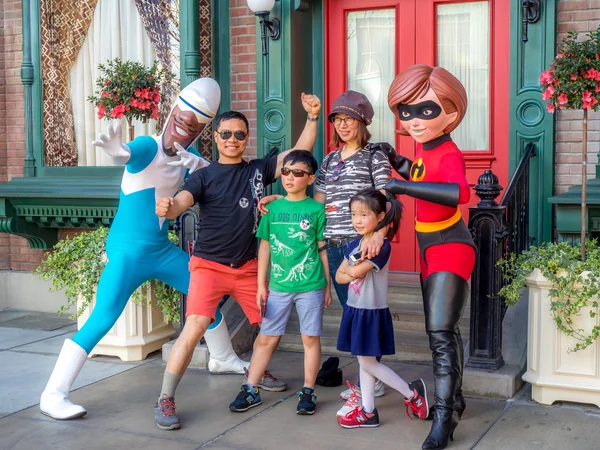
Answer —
120 398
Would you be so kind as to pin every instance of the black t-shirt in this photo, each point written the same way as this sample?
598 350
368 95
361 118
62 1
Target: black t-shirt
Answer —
228 195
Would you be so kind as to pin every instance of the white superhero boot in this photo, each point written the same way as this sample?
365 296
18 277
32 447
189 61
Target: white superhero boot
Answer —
54 401
223 359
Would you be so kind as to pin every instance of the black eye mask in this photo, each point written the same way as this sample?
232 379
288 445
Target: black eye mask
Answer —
425 110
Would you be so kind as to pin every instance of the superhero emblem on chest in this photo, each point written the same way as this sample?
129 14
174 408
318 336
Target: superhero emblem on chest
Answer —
417 170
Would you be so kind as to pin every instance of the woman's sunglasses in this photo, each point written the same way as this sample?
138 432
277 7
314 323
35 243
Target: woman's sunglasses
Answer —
298 173
337 170
226 134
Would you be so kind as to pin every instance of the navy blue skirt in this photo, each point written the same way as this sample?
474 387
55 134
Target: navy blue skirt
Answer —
366 332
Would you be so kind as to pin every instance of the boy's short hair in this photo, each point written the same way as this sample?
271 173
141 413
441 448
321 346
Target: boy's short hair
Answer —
302 156
228 115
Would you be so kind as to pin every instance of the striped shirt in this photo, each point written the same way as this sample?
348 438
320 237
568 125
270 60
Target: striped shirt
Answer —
353 177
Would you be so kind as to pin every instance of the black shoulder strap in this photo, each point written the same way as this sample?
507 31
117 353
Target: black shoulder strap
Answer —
370 166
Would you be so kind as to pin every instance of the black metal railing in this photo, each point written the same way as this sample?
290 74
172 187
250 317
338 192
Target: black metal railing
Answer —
497 229
516 201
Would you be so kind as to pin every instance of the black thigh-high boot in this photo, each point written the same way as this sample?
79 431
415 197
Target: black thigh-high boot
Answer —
445 295
459 400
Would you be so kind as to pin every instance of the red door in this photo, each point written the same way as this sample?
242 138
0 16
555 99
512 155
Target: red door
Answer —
369 41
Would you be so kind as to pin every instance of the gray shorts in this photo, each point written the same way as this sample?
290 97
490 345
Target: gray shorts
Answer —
309 305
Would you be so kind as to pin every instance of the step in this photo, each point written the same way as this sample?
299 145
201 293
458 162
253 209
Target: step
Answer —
405 294
406 317
410 346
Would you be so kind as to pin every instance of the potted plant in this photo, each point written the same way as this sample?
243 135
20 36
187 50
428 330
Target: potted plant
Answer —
75 265
563 354
573 82
128 89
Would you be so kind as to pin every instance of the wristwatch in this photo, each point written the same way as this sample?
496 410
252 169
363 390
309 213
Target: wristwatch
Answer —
311 118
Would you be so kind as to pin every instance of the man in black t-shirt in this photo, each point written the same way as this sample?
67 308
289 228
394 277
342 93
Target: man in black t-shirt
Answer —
224 258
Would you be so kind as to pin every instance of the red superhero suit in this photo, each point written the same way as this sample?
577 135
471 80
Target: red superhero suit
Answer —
430 102
440 161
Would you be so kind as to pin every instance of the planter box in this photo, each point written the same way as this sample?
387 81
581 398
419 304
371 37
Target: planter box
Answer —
554 373
139 331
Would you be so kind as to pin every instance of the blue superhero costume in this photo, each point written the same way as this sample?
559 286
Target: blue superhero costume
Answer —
138 248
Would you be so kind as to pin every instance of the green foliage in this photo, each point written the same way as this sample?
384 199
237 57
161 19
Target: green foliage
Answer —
75 265
573 80
572 292
128 89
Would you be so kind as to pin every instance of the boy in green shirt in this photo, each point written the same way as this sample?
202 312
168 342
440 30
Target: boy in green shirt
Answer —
291 234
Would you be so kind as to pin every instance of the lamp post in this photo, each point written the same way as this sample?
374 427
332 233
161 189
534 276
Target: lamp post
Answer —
261 9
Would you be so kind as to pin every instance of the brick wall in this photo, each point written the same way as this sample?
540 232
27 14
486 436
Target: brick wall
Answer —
243 65
15 253
581 16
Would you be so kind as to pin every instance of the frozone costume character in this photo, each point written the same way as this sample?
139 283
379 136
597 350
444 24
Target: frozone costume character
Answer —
430 102
138 248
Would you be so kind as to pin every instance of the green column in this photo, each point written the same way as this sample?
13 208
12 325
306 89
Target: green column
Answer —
294 65
27 77
189 41
529 121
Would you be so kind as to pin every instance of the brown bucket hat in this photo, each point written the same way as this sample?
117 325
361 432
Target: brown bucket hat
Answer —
353 104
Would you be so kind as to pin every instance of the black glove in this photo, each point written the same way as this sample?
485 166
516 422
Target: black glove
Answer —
398 162
441 193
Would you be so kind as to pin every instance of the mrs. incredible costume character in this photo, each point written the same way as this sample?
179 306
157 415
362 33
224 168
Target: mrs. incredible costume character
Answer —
430 102
137 247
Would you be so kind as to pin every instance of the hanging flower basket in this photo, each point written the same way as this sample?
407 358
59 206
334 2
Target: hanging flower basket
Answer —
128 89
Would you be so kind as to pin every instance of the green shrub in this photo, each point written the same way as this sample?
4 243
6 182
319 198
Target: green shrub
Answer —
75 265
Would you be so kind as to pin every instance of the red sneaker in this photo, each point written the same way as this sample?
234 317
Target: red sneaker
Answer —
418 402
358 418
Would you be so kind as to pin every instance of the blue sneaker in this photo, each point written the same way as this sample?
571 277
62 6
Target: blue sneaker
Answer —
307 402
247 398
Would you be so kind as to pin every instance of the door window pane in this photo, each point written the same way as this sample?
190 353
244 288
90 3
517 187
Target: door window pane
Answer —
371 63
463 48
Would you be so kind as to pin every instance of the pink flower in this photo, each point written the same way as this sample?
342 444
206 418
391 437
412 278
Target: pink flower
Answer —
146 93
138 93
562 99
118 111
101 111
134 102
105 94
588 100
559 55
548 93
156 96
573 77
154 114
545 77
550 108
106 82
591 74
597 89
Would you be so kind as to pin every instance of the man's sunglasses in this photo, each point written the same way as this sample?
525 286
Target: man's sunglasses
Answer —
298 173
226 134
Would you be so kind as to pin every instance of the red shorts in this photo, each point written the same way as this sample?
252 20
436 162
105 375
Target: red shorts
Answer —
210 281
452 257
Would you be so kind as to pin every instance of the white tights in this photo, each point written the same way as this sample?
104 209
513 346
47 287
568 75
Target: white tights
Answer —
371 371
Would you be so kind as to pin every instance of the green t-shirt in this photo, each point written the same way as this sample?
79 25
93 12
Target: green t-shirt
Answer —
293 229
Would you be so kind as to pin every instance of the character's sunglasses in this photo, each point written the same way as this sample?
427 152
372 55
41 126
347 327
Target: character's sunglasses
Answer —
226 134
337 170
298 173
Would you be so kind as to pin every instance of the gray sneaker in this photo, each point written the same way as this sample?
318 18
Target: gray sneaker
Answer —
267 382
165 415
